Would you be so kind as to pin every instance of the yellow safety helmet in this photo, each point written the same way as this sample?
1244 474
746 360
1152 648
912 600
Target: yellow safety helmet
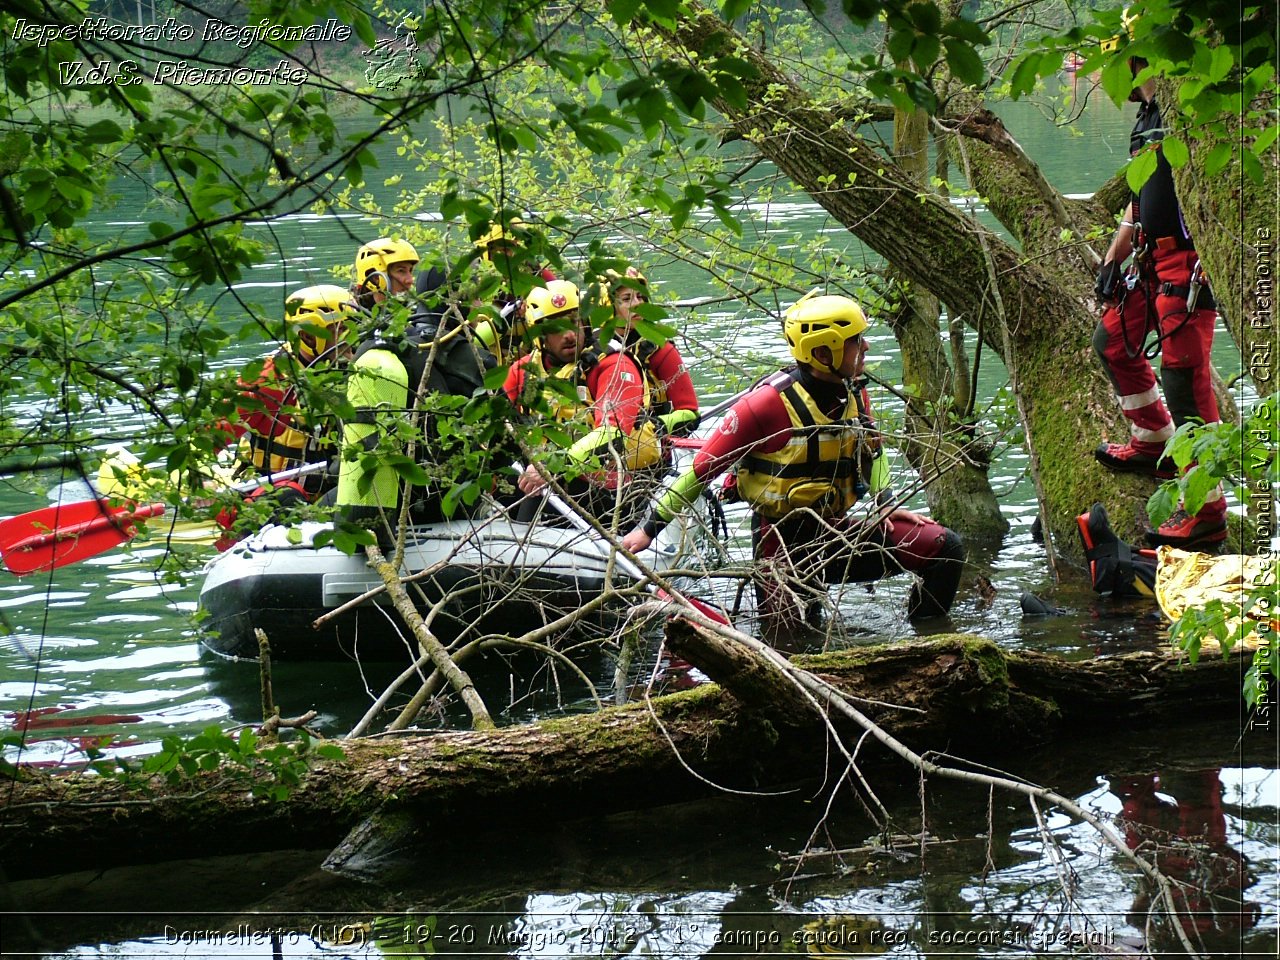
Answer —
374 260
821 321
605 286
1128 21
556 298
608 283
324 306
498 233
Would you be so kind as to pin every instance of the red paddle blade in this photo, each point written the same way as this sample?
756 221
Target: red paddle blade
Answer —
67 533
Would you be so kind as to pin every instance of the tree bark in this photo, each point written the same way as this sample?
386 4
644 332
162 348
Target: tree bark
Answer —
954 472
952 694
1236 225
1025 311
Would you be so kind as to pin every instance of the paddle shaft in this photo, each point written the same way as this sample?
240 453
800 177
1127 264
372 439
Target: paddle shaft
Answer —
624 563
272 478
67 533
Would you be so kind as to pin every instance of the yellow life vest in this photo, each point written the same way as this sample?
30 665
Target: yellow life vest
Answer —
562 408
640 449
818 467
294 441
656 402
284 451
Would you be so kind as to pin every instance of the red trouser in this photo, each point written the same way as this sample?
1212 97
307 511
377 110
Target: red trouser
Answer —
1186 343
800 553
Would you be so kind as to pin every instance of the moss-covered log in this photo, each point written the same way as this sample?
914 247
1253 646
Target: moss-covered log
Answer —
951 694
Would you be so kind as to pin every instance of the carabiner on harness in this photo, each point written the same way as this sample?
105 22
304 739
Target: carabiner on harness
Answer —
1193 287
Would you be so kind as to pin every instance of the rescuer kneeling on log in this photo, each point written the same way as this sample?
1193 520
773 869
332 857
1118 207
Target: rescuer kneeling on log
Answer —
806 449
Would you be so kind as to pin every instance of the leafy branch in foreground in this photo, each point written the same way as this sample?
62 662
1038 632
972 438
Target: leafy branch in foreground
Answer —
1242 456
270 769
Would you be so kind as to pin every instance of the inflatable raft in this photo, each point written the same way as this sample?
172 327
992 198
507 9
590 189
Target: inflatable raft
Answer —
468 577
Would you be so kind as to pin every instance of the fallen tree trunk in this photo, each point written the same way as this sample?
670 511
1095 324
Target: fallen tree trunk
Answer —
952 694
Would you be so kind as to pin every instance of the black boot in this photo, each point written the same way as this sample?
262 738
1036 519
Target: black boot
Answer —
1114 566
935 591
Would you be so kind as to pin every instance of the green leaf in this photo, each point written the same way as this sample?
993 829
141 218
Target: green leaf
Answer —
665 10
925 17
1117 81
733 9
623 11
70 189
104 131
1218 158
410 471
1141 168
925 51
964 62
1265 139
861 12
1252 167
1196 485
1220 63
732 90
1174 46
1175 151
363 27
900 45
1024 75
966 30
1162 503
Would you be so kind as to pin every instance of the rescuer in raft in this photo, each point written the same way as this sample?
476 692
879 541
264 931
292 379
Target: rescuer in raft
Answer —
601 395
672 398
392 382
274 432
383 268
806 450
1163 290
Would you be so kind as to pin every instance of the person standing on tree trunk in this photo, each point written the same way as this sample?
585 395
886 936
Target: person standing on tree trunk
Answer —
1164 290
806 449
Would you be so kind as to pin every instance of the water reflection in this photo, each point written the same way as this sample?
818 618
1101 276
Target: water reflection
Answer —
1175 820
727 877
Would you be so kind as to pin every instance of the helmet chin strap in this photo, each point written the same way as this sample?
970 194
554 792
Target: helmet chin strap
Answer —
834 366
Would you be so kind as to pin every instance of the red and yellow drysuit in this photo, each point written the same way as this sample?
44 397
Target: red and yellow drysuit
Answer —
806 450
611 400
